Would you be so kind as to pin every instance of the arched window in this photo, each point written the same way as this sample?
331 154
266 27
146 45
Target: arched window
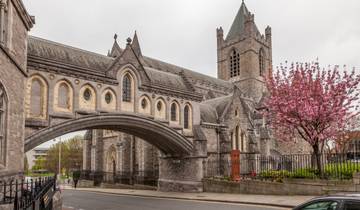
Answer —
145 105
37 99
126 96
174 112
261 62
108 99
3 121
234 63
187 117
87 97
242 142
64 96
237 137
160 109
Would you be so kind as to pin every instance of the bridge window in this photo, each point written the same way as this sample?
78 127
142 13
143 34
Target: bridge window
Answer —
160 111
174 112
88 98
145 105
3 112
37 98
63 96
108 97
234 63
87 94
159 106
261 61
126 97
187 117
64 100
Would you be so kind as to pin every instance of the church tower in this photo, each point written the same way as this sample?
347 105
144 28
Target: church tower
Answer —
245 55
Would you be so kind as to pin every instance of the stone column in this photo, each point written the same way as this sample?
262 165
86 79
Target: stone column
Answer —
2 21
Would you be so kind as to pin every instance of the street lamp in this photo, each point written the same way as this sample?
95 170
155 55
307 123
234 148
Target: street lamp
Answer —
59 163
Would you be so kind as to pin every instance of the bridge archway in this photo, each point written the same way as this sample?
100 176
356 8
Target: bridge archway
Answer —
165 138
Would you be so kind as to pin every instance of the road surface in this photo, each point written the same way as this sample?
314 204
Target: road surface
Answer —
80 200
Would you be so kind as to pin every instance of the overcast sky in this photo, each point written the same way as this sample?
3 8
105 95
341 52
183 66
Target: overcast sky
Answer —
182 32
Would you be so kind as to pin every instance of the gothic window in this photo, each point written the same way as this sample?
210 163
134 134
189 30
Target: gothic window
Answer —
242 142
108 97
64 96
159 106
160 110
3 112
237 131
234 63
126 97
37 98
87 94
174 112
187 116
87 97
143 103
261 62
232 141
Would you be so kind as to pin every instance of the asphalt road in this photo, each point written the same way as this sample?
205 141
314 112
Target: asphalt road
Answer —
80 200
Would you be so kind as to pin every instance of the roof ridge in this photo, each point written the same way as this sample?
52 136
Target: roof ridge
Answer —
68 46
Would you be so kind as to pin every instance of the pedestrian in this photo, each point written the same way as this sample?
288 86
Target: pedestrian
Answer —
75 182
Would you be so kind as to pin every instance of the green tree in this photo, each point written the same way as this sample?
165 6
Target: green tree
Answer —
71 155
39 164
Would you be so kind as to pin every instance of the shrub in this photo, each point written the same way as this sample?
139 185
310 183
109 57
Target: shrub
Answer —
341 170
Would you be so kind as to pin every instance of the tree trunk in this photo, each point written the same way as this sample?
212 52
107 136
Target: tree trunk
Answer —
317 154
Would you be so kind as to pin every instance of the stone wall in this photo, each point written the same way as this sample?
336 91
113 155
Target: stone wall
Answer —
288 187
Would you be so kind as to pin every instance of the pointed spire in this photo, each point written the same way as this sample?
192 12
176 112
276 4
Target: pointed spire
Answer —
136 46
116 50
238 26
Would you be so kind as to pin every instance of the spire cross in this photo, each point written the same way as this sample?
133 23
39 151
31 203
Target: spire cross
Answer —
115 36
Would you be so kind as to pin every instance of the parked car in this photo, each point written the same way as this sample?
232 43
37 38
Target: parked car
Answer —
333 202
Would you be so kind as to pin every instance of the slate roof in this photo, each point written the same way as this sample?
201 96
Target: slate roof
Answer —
66 54
208 113
238 26
192 75
212 109
164 78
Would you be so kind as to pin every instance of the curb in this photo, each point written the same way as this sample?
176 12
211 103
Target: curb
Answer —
191 199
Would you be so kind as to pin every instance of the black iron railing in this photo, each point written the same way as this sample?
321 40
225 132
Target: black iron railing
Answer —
333 166
149 177
28 194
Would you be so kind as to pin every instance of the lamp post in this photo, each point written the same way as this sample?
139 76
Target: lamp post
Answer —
59 162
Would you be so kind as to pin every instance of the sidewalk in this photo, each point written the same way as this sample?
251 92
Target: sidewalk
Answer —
268 200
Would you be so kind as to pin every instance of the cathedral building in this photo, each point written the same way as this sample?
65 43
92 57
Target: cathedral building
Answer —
44 84
229 105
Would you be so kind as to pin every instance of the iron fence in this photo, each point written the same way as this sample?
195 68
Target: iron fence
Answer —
147 177
29 193
333 166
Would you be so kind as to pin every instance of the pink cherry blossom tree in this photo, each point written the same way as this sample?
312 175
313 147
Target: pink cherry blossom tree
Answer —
312 103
